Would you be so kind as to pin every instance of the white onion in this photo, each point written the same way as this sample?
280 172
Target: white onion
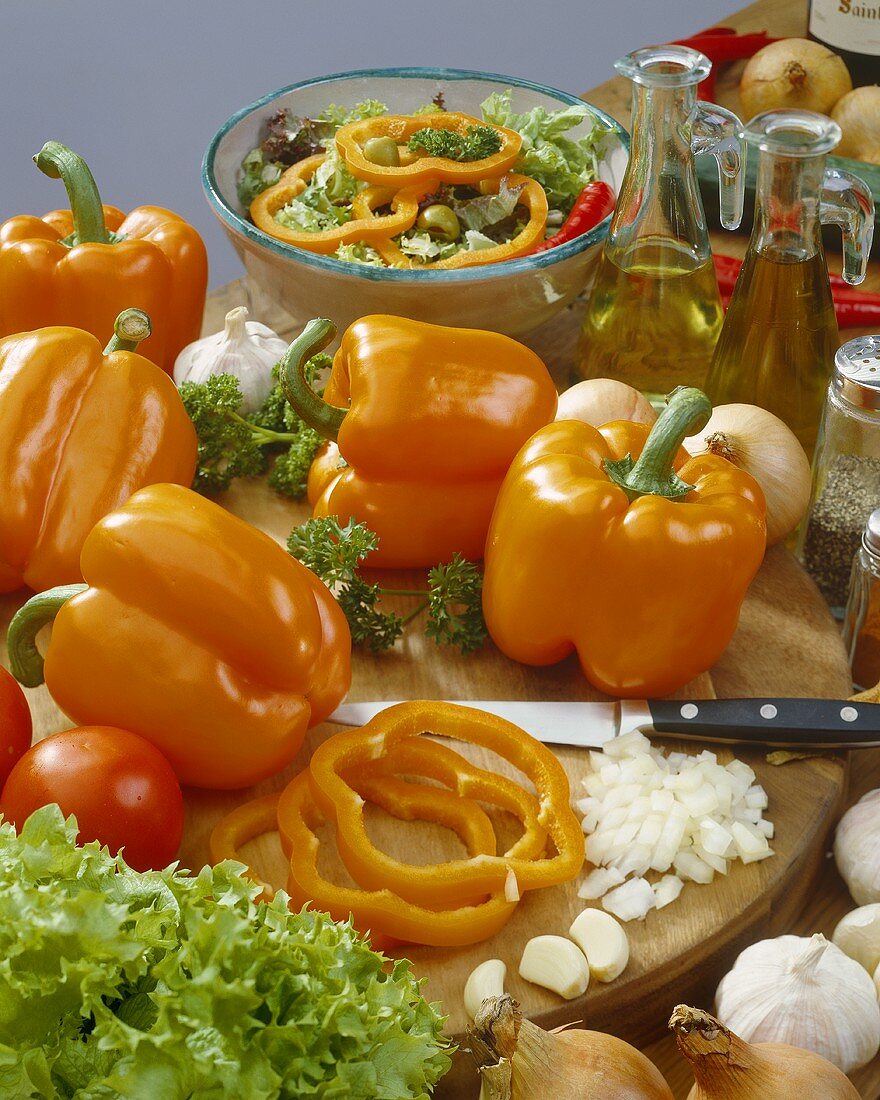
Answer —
758 442
793 72
598 401
646 814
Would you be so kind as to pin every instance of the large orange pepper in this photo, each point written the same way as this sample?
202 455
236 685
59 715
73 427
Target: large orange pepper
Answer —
428 419
79 433
640 566
195 631
83 266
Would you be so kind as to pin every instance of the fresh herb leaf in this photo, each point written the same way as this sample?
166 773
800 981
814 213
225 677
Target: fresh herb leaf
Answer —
476 143
455 605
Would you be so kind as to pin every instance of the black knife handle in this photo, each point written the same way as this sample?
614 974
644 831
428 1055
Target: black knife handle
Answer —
787 723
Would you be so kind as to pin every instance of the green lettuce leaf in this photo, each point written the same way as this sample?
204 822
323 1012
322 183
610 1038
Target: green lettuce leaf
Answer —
116 983
562 165
487 210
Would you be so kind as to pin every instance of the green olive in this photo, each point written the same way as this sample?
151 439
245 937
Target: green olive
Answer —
382 150
440 221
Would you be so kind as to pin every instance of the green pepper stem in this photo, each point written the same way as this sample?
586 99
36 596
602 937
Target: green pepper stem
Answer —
59 162
129 328
25 659
687 412
326 419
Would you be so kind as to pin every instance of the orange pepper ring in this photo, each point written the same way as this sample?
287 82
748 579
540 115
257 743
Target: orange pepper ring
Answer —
400 128
532 196
432 760
242 824
379 909
451 881
293 182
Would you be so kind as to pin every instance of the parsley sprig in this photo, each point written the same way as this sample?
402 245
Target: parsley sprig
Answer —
453 599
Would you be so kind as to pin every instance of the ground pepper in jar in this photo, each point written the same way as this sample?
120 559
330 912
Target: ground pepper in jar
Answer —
861 623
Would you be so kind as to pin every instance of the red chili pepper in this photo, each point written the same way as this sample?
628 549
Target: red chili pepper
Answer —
722 44
594 203
854 308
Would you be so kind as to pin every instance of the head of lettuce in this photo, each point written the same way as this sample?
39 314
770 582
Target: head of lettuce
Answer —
117 983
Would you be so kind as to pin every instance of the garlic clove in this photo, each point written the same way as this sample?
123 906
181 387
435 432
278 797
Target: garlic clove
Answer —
485 980
604 943
556 964
858 935
857 849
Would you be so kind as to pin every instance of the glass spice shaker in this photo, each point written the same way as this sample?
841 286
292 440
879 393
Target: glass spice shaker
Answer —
861 621
846 469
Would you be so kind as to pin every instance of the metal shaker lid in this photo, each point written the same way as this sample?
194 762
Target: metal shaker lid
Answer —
871 537
857 372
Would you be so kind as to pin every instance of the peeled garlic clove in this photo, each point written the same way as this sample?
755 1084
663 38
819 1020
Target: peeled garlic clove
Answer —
556 964
804 992
245 349
858 935
485 980
604 943
857 848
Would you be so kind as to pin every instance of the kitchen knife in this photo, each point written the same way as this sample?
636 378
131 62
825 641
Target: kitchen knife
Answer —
781 723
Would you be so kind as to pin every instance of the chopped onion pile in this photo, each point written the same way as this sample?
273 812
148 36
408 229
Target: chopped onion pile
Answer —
647 813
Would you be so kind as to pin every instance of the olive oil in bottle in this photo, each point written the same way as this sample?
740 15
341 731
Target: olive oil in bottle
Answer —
653 320
778 342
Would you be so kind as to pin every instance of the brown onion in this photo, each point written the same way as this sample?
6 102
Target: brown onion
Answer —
727 1068
518 1060
858 116
793 72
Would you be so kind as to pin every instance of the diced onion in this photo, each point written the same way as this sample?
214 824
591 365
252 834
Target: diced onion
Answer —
679 816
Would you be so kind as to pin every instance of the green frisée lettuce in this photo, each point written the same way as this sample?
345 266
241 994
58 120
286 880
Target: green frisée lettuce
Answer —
562 165
117 983
485 210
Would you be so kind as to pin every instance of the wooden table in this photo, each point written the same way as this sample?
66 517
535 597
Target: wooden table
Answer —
831 900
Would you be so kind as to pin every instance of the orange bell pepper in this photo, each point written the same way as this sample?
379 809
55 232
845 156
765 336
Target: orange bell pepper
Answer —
83 266
640 566
364 226
195 631
351 138
532 196
79 433
427 419
456 881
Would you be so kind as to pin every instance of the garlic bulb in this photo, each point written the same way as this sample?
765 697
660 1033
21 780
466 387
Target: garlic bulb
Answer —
761 444
806 993
858 935
245 349
857 848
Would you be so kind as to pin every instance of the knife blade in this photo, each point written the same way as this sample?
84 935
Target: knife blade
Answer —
796 724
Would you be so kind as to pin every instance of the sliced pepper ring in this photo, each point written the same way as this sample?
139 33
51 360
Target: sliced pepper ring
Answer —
293 182
381 909
242 824
532 196
450 882
400 128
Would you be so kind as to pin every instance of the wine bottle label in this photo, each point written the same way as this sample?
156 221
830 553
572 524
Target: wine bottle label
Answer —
847 25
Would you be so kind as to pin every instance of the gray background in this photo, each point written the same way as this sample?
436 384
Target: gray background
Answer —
139 88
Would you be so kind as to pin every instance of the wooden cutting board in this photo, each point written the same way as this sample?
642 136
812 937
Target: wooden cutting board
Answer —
787 644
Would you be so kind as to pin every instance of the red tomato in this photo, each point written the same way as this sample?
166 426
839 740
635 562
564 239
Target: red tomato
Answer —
15 724
121 789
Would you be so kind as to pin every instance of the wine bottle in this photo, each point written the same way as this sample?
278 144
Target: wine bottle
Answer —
852 29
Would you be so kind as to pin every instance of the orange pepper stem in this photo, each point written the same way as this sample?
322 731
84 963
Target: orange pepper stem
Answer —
25 660
59 162
687 412
326 419
129 328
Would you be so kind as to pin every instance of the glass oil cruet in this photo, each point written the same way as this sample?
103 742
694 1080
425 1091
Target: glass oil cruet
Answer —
777 346
655 312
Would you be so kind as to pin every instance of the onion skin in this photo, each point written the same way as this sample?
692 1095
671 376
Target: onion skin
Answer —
793 72
520 1061
599 401
758 442
726 1068
858 116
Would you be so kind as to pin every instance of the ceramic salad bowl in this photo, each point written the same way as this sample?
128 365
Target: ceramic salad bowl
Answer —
513 297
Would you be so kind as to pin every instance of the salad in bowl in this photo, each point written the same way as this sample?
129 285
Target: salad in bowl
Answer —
449 196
